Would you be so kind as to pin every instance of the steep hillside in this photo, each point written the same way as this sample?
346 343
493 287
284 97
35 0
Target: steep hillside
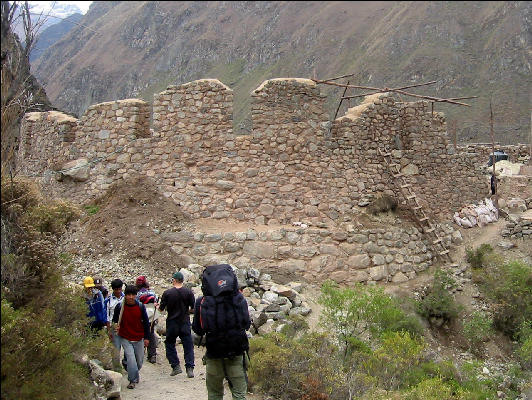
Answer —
52 34
134 49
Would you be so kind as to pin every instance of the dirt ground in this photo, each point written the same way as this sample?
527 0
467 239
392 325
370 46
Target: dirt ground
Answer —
157 384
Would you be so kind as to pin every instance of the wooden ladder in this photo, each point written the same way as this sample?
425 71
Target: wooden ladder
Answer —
408 193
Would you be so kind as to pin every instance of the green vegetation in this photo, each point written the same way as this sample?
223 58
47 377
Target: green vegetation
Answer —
92 209
438 305
477 258
363 311
507 284
383 361
44 324
477 329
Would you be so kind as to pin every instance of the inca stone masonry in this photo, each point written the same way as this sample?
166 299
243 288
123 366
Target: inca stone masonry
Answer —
294 166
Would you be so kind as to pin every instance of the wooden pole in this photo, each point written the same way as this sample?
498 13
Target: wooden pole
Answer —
399 88
496 198
392 90
341 99
340 77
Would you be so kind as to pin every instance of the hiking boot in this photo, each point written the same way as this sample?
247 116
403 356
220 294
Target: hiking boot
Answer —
176 370
131 385
190 372
152 359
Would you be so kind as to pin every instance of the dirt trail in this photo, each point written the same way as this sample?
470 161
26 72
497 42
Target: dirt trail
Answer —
157 384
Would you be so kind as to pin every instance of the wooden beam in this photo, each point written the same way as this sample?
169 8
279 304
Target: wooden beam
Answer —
341 99
340 77
387 90
394 91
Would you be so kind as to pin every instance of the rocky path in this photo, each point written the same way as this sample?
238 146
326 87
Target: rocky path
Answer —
157 384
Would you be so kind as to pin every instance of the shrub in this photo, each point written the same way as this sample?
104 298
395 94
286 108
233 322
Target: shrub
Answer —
477 329
438 303
476 258
356 311
509 286
37 358
430 389
525 345
288 369
382 203
296 325
391 362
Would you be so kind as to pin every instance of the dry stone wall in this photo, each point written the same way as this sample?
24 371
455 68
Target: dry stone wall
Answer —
394 254
295 165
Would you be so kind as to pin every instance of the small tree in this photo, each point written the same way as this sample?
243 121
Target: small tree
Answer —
362 312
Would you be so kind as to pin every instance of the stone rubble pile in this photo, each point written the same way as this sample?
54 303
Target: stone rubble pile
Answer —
519 225
477 215
270 304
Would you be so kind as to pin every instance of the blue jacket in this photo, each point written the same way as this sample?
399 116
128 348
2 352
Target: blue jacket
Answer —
97 309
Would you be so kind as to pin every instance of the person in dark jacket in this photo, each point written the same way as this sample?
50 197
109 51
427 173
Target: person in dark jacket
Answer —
133 328
179 301
225 358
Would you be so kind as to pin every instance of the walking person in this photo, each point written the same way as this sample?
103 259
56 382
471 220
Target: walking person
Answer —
148 297
179 302
96 304
116 297
222 315
133 329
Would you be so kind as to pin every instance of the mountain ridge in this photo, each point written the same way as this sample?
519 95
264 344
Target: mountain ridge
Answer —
135 49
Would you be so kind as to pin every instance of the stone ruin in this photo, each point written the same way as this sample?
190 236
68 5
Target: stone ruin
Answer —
294 166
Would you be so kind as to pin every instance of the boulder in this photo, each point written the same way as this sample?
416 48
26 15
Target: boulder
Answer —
78 170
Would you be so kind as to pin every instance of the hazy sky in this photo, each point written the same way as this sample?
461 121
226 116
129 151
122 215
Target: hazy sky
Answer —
38 6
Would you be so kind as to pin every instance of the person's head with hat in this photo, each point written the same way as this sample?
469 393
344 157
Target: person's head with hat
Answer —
142 282
98 284
88 284
177 279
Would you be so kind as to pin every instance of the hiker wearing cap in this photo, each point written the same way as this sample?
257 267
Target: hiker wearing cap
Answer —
179 302
148 297
133 329
95 302
98 284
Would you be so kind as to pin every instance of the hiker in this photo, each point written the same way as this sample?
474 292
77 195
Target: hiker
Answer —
95 302
133 328
493 183
116 297
179 302
148 297
98 284
222 315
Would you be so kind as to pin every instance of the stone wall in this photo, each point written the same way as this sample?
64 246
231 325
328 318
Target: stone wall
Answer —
295 165
394 254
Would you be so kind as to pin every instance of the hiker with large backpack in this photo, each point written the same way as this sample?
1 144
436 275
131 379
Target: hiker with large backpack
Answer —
133 329
222 316
148 297
179 302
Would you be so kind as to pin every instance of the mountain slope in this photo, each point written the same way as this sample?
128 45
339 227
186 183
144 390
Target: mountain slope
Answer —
134 49
52 34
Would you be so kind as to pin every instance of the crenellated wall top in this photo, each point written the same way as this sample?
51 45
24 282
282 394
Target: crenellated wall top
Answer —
283 81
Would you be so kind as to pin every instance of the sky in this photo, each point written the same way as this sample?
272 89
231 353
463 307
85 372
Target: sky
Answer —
45 6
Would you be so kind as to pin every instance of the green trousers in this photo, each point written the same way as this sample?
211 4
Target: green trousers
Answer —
234 371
